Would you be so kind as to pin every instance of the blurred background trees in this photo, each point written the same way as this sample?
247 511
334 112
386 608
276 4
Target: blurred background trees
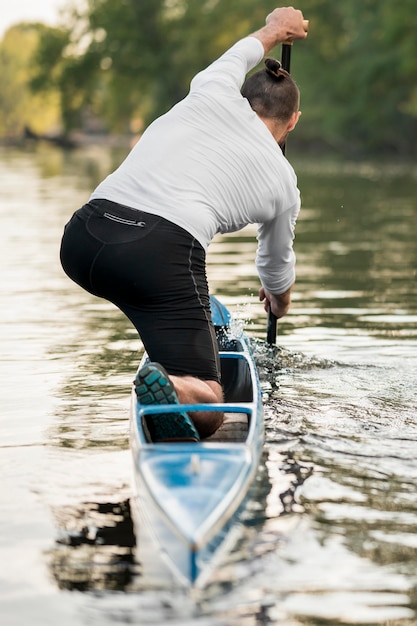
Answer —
18 104
115 66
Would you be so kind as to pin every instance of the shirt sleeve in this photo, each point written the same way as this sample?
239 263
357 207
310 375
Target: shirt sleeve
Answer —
275 258
229 71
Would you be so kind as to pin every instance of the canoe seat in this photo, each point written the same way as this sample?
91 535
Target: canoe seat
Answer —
233 430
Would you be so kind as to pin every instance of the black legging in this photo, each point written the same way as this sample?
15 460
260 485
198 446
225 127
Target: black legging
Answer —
155 272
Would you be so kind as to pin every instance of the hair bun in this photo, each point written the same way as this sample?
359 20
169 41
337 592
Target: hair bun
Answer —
274 68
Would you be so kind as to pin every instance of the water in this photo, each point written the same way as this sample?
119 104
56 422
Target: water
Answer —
331 538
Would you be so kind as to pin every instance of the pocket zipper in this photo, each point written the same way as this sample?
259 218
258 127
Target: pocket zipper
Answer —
121 220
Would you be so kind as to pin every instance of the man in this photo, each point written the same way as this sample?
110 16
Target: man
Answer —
212 164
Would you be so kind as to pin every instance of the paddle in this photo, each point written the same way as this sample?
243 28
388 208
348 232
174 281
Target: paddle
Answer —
271 329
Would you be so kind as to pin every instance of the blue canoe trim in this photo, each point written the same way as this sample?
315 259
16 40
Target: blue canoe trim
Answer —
219 313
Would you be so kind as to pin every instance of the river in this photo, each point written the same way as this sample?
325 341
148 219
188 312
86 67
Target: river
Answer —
332 537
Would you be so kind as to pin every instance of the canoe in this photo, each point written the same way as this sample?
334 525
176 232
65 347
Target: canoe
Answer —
187 496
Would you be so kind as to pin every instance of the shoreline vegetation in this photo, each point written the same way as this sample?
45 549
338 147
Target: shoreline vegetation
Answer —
76 139
300 146
111 68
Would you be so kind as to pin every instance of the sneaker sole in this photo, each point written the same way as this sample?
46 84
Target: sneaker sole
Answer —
153 387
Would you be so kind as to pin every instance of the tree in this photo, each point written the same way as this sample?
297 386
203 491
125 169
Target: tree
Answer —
135 58
60 66
131 60
18 106
358 74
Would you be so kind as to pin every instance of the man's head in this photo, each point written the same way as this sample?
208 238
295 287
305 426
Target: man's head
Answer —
275 98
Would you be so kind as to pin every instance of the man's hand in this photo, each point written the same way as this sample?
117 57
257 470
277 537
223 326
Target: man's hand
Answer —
279 304
283 25
288 23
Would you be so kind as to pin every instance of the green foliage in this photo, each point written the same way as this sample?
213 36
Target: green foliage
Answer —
60 65
18 107
130 60
358 73
135 58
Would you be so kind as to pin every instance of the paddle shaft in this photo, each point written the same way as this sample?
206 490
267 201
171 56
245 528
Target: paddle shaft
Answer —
271 329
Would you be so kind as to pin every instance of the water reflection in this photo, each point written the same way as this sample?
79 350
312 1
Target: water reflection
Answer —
95 550
360 498
354 229
93 401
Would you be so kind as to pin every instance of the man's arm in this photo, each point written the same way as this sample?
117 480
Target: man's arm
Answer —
282 25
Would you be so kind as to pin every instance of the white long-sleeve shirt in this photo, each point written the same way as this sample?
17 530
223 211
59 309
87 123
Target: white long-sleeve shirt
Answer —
210 165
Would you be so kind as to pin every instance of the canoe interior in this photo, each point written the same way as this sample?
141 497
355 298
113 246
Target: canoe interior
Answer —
238 388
